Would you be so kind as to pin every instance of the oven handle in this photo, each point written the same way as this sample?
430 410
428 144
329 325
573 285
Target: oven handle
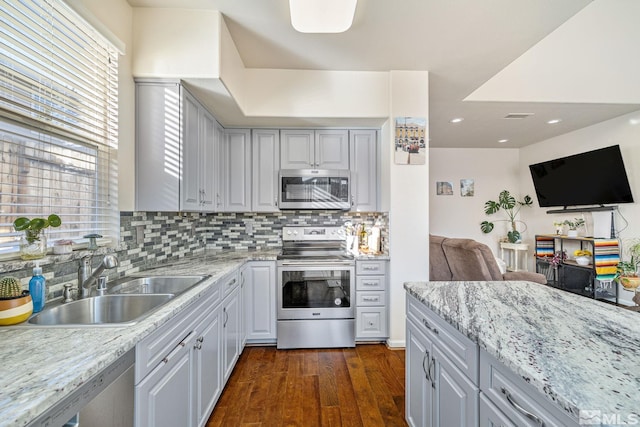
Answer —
317 264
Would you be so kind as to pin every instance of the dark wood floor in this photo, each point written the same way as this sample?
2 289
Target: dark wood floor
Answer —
362 386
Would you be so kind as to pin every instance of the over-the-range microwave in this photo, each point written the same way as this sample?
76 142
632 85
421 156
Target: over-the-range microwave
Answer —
314 189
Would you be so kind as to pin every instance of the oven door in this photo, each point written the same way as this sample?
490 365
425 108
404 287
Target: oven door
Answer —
314 189
315 291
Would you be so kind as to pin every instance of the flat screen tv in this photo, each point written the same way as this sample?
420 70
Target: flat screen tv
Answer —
596 177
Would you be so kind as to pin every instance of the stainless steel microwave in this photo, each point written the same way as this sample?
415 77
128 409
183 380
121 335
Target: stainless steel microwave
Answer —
315 189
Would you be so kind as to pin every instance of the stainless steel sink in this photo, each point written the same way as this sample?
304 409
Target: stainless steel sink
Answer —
154 284
106 310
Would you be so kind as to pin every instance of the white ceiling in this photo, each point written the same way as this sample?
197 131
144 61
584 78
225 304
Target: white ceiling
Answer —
462 43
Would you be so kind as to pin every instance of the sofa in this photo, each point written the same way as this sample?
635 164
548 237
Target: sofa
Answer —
452 259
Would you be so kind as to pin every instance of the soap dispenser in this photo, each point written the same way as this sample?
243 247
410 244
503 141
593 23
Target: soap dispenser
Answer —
37 289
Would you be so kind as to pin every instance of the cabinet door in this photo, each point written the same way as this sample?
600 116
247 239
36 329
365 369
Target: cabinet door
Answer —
418 386
371 322
266 164
208 369
455 396
219 172
207 160
237 177
363 146
190 190
332 149
260 301
157 107
163 398
297 149
230 332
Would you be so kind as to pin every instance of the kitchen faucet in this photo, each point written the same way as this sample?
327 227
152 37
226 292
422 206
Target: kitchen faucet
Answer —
86 279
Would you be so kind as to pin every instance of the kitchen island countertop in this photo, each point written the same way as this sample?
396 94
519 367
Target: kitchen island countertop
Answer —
580 353
42 366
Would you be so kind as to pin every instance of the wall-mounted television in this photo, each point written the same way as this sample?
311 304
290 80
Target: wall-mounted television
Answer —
596 177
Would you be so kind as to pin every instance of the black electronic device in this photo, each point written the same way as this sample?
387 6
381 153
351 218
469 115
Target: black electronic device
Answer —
595 177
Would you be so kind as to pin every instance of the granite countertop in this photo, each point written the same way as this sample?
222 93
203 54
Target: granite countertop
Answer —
578 352
41 366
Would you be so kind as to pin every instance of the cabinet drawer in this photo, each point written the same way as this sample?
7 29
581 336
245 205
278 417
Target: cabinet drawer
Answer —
371 322
463 351
371 299
491 416
153 348
519 401
371 267
371 283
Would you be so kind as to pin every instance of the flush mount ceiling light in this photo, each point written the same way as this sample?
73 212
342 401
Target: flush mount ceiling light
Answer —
456 120
502 141
322 16
554 121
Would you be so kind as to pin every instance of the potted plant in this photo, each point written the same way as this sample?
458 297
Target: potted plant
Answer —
33 244
627 271
511 207
573 226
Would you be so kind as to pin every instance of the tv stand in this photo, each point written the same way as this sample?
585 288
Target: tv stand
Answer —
594 280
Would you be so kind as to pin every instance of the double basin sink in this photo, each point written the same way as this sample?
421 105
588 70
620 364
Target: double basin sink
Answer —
127 301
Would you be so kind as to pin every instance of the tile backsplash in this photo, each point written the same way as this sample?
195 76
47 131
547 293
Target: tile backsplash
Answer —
149 238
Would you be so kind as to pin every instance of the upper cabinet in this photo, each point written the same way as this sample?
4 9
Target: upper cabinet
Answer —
237 167
175 149
266 164
364 168
314 149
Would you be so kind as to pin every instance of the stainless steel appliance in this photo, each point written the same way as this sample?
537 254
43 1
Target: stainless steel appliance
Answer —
314 189
316 289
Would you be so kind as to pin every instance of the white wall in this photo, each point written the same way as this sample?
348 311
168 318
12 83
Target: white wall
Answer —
492 170
409 201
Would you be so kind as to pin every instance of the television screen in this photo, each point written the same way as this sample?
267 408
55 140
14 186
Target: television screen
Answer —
596 177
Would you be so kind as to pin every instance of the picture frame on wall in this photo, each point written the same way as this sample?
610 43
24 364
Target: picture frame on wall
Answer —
467 187
444 188
410 142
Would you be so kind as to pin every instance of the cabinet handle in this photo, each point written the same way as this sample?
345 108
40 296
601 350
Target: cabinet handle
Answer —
353 202
427 369
371 299
432 364
370 268
275 202
370 283
519 408
232 282
429 327
226 317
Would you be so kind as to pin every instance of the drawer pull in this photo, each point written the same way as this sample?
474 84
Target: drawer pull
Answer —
520 408
371 268
371 299
231 283
370 283
429 327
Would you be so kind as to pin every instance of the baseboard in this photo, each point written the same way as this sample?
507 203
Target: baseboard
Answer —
396 344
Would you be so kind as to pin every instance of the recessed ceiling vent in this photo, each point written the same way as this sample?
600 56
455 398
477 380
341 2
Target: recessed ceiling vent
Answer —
518 116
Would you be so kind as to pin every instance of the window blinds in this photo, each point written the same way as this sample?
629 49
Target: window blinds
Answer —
58 122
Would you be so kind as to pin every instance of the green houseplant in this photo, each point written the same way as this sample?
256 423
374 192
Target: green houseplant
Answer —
34 243
511 207
573 226
627 271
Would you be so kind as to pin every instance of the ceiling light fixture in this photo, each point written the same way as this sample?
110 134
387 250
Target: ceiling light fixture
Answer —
554 121
322 16
457 120
502 141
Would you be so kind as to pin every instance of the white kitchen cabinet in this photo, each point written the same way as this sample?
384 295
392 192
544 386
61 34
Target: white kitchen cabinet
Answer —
231 326
237 167
363 146
314 149
207 372
371 300
260 302
266 164
442 372
175 149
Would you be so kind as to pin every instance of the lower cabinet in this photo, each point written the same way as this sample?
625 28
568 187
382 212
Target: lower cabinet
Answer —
182 367
260 302
441 385
371 300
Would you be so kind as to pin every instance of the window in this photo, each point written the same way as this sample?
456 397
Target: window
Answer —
58 122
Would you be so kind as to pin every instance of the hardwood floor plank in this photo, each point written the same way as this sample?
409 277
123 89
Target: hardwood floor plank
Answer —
314 387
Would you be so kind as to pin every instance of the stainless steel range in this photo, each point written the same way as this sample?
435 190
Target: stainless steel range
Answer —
316 289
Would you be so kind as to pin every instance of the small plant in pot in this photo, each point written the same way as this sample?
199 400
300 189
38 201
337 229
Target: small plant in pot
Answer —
15 304
34 243
511 207
574 224
627 271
